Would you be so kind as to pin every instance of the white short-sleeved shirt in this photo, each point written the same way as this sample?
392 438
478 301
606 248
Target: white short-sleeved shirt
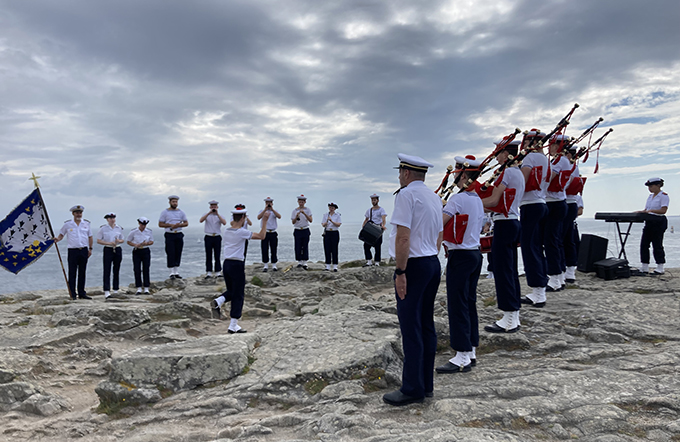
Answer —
418 208
470 204
656 202
532 160
109 234
335 217
302 222
77 235
377 215
136 236
562 164
213 225
272 223
172 217
234 241
512 179
571 199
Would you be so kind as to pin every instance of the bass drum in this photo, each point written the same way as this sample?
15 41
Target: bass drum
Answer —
370 233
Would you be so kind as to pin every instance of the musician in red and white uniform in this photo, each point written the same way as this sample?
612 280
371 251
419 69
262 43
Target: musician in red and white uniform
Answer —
533 210
574 186
465 212
505 240
556 198
652 233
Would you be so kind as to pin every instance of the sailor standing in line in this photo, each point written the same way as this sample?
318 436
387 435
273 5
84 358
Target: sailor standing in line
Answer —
110 235
574 185
331 235
301 218
652 232
533 210
213 238
271 241
233 269
141 239
173 220
414 243
506 236
377 215
465 211
79 250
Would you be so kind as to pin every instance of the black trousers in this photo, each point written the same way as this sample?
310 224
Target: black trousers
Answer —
416 321
552 240
377 246
235 279
213 247
652 233
570 252
462 273
141 262
532 220
77 266
506 236
174 243
331 240
270 243
115 257
301 237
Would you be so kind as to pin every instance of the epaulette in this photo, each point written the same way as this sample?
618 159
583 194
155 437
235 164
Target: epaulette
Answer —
67 221
664 193
87 221
103 225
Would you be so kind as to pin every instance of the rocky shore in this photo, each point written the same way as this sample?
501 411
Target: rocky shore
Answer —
598 363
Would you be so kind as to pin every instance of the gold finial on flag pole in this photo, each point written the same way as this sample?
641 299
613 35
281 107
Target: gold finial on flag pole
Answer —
34 179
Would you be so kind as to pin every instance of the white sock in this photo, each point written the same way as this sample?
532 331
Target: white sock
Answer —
571 272
233 325
369 262
176 270
659 268
644 268
538 294
139 290
461 359
273 266
107 293
504 322
266 265
220 300
335 267
146 289
473 353
328 266
554 281
514 319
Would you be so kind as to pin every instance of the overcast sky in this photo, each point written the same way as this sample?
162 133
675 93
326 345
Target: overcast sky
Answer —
117 104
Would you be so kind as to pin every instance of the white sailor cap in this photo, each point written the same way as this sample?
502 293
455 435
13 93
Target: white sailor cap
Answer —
468 162
213 202
269 199
653 181
375 195
572 149
143 220
238 211
302 197
173 197
110 215
332 204
534 132
413 162
559 138
512 143
77 208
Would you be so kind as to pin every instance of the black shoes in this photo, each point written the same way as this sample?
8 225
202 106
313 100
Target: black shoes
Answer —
84 297
178 277
240 330
550 289
265 270
495 328
398 399
569 280
299 266
216 312
335 270
275 269
450 367
527 301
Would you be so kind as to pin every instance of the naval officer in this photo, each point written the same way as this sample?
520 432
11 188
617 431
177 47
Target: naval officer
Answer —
652 232
331 235
79 238
271 242
213 238
301 218
173 220
110 235
141 239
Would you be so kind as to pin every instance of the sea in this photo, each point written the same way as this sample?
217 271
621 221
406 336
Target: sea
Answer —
46 273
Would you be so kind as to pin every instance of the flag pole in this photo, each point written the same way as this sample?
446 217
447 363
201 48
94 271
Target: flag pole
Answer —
49 224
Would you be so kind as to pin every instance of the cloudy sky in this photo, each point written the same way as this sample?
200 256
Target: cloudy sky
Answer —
117 104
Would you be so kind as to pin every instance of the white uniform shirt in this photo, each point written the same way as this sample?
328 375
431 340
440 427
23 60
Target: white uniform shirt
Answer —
512 179
418 208
657 202
532 160
212 224
335 217
108 234
302 222
173 217
235 243
136 236
571 199
77 235
468 203
377 215
579 201
272 223
562 164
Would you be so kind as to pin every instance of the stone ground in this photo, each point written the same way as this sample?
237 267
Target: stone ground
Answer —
598 363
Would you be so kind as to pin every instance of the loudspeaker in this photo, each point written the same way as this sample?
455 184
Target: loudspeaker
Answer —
593 248
612 268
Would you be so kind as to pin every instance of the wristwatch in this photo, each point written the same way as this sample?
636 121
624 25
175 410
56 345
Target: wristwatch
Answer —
399 271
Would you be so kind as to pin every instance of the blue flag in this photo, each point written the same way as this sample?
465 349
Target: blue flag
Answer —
25 234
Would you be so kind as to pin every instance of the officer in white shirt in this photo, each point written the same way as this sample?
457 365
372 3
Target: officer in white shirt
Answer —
141 239
110 236
79 237
271 241
173 220
213 238
301 218
233 269
331 222
377 215
652 232
414 243
463 220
